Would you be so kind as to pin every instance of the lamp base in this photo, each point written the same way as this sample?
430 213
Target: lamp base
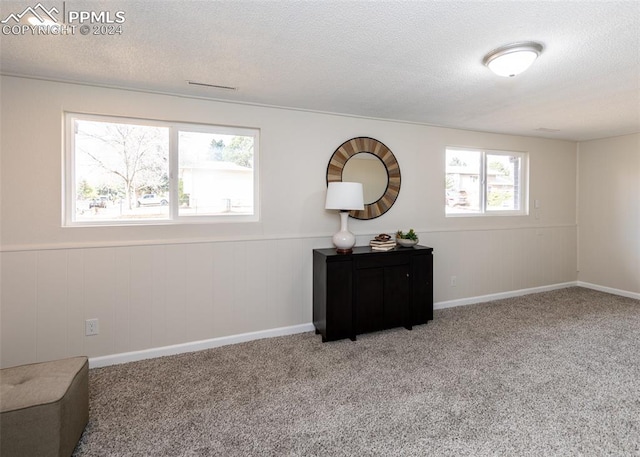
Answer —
344 239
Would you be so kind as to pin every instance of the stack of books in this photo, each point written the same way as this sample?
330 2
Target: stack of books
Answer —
382 242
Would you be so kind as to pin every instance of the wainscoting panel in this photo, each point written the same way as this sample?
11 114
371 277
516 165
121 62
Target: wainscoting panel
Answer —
486 262
18 312
51 320
153 296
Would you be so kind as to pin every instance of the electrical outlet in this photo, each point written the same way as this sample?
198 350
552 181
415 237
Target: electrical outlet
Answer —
454 281
91 327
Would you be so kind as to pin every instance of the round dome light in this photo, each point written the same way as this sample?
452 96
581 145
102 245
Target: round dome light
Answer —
512 59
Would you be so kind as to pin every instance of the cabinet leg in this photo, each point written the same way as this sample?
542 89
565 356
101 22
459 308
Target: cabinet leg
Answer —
352 338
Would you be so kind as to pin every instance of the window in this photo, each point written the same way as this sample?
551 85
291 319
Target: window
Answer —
479 182
131 171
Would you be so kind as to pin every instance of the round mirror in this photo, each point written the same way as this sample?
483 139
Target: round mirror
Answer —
367 169
370 162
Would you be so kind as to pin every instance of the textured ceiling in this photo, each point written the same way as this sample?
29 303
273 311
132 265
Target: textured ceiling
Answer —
415 61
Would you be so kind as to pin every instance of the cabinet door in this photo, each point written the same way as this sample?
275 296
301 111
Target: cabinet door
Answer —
422 289
339 312
397 296
382 298
369 300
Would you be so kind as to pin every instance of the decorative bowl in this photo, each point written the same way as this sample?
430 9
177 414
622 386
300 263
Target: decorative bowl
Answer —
406 242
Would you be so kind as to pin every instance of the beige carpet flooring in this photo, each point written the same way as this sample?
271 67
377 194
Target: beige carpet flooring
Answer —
549 374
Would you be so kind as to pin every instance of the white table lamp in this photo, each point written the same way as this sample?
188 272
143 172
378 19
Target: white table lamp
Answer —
344 196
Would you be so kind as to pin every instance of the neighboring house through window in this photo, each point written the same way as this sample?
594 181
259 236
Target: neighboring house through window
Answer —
483 182
132 171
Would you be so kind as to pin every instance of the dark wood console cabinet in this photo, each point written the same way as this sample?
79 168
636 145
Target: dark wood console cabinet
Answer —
370 290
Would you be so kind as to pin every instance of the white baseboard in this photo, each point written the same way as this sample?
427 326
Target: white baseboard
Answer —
115 359
609 290
501 295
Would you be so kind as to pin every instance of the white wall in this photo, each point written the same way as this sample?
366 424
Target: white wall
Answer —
609 213
169 284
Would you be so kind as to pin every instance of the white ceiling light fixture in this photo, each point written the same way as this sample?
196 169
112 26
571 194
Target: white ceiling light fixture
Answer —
512 59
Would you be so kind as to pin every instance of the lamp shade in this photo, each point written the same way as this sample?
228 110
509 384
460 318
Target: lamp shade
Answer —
345 196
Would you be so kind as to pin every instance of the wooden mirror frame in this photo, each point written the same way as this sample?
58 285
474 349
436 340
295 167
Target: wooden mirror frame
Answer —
365 144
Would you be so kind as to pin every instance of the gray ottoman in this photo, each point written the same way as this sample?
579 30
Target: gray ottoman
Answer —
44 407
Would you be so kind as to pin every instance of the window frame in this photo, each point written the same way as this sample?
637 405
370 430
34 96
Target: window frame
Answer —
523 178
174 129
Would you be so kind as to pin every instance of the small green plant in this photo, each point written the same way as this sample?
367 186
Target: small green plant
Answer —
410 235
